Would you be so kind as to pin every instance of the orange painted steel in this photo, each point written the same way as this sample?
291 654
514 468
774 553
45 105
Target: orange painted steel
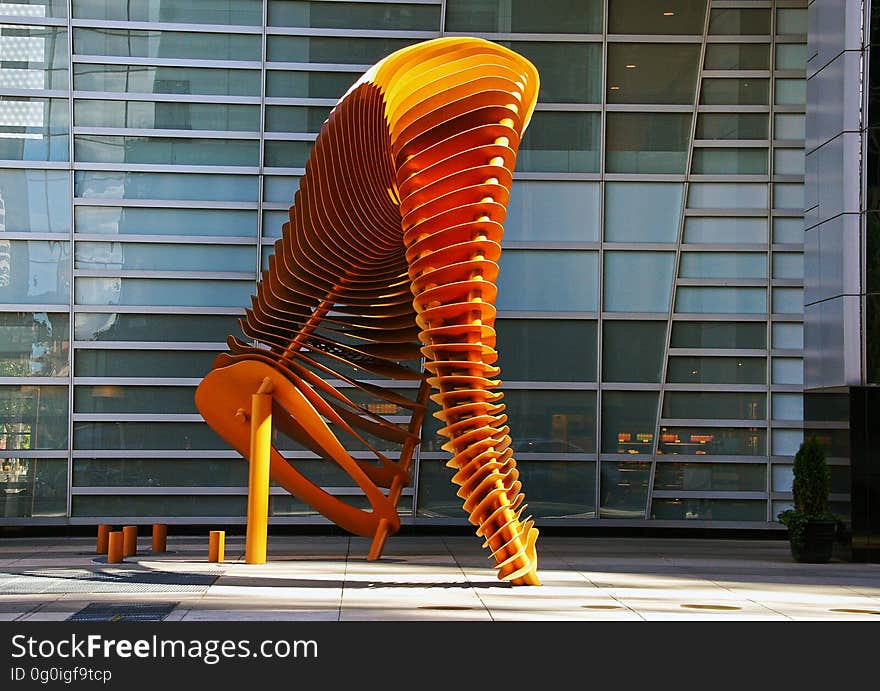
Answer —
391 255
103 541
115 545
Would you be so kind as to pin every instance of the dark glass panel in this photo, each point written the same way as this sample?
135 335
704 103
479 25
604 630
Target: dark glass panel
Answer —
652 72
670 17
738 56
715 404
713 441
624 489
524 16
647 142
628 421
732 126
34 344
718 335
711 477
33 417
546 350
33 487
709 509
633 351
717 370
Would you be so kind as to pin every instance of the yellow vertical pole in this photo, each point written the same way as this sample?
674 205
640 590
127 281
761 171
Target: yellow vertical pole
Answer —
258 475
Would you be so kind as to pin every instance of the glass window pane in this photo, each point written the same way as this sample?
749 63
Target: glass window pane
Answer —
561 142
272 226
714 405
109 398
788 301
163 115
788 370
788 406
34 344
642 211
147 221
732 126
788 230
723 265
786 335
790 92
146 435
286 154
332 49
788 195
170 292
791 56
33 487
142 363
788 161
713 441
652 72
789 126
95 184
34 129
720 195
729 161
624 489
282 188
725 230
711 477
33 417
244 12
295 118
141 79
647 142
719 335
35 57
735 91
787 441
552 421
36 8
788 265
301 84
571 72
553 211
35 200
709 509
34 272
166 44
524 16
783 477
167 150
548 280
158 506
739 21
159 472
546 350
716 370
720 300
632 351
791 21
677 17
107 326
126 256
638 281
737 56
628 421
354 15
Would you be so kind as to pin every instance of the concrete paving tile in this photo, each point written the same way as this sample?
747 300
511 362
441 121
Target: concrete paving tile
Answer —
258 615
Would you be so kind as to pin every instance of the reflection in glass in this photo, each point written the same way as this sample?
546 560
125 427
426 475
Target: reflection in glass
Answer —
548 280
244 12
142 363
159 472
295 118
720 405
33 487
628 421
181 45
112 398
278 154
33 417
162 291
34 129
100 184
302 84
34 344
167 150
333 49
126 256
662 73
717 441
150 221
561 142
647 142
571 72
34 57
355 15
642 211
712 477
35 201
632 351
709 509
145 79
548 211
546 350
146 435
34 272
624 489
166 115
107 326
638 281
524 16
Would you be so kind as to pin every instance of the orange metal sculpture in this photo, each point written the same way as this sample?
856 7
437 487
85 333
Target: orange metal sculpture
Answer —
393 238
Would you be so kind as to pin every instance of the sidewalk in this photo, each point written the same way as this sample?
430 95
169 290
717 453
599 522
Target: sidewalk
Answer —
431 577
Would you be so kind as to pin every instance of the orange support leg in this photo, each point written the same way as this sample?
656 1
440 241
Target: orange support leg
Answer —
160 537
103 538
129 540
114 547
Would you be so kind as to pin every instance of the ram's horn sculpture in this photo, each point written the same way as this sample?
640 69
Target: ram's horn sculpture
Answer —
390 258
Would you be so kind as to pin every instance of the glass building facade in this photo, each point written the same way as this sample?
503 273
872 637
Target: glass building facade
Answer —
651 296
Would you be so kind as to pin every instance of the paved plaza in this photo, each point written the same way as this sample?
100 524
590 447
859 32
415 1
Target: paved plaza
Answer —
326 577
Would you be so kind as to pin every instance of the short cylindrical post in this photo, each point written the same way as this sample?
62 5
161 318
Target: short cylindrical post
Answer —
258 475
114 547
217 545
129 540
160 537
103 538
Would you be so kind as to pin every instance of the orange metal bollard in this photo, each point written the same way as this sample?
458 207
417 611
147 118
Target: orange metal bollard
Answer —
160 537
217 545
103 538
114 547
258 474
129 540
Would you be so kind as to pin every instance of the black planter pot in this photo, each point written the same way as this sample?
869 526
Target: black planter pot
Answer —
818 543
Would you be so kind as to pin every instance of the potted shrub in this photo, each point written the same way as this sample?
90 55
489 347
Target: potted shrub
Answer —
811 527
